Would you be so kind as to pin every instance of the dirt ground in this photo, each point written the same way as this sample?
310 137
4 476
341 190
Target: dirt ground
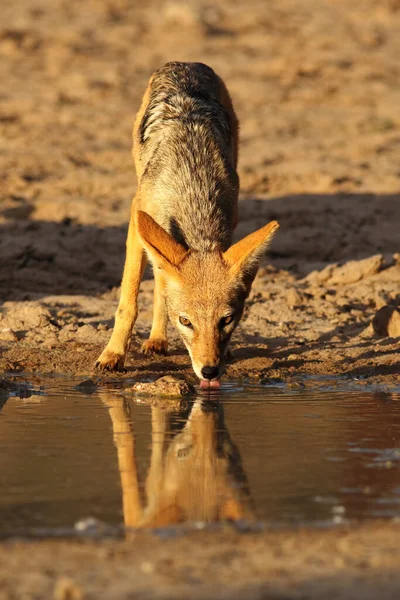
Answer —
342 564
316 85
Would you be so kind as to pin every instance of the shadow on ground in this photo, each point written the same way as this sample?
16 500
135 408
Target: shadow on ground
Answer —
47 257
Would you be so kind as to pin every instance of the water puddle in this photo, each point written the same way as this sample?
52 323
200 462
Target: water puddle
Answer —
70 458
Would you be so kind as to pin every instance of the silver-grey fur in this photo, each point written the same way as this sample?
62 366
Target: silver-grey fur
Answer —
188 153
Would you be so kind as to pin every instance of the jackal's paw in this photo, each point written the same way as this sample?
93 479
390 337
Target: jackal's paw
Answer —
110 361
155 346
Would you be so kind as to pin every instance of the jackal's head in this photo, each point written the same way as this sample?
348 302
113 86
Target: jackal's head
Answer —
205 291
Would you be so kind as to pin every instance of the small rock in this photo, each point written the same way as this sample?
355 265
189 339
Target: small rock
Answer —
294 298
86 333
90 526
50 344
86 387
8 335
51 341
386 322
165 386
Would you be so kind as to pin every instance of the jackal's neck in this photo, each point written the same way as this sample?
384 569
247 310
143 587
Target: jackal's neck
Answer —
204 232
198 187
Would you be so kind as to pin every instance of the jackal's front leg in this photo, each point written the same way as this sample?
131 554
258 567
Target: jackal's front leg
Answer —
113 356
157 342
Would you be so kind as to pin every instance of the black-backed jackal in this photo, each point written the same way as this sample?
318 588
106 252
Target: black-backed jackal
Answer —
185 148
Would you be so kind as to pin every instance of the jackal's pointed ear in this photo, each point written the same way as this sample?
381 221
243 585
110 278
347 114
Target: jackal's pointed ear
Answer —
243 257
164 252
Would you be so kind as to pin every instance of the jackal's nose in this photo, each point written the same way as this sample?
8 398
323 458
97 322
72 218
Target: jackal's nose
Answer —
210 372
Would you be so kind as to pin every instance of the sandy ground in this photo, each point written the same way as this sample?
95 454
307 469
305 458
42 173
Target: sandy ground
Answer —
316 85
341 564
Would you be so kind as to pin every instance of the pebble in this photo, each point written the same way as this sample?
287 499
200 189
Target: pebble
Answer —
294 298
8 335
87 387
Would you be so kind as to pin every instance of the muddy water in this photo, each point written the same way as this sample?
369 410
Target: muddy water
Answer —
69 456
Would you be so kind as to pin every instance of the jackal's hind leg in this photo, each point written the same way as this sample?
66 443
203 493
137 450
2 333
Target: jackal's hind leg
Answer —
157 342
113 356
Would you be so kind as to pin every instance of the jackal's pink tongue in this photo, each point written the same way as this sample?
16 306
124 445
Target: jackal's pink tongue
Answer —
207 384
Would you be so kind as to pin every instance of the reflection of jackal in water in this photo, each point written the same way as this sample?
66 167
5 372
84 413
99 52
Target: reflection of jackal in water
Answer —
194 475
185 146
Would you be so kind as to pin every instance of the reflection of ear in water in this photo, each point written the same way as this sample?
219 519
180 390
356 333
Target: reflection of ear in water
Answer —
194 475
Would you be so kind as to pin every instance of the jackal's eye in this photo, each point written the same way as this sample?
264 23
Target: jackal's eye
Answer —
226 321
184 321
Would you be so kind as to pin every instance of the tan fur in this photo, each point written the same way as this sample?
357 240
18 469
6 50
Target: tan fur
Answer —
245 253
159 245
183 216
195 475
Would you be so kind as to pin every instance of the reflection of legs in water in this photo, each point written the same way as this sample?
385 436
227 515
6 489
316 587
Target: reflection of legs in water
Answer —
124 440
161 508
196 475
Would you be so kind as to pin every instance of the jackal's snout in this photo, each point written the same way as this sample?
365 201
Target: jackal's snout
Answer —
210 372
210 376
207 352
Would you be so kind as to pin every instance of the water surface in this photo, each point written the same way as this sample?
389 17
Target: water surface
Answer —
259 454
